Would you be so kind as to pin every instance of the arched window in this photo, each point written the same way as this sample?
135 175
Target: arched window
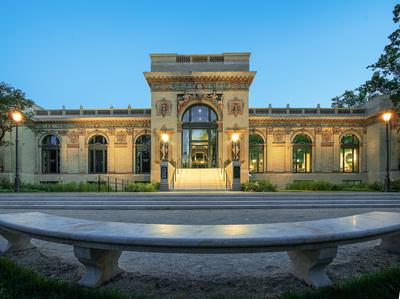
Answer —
199 137
349 153
98 154
256 153
143 160
199 113
50 154
302 153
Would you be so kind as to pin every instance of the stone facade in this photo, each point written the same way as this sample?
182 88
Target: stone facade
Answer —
220 82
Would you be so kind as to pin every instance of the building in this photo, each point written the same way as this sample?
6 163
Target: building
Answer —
200 102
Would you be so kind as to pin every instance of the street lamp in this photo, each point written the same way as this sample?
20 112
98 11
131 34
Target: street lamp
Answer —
386 117
164 139
17 117
235 138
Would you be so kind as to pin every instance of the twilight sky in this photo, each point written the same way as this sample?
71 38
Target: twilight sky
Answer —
93 53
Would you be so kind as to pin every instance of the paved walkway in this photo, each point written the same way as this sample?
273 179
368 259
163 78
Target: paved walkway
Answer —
198 200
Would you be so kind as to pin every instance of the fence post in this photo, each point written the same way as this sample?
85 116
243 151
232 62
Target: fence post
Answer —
98 184
108 184
116 184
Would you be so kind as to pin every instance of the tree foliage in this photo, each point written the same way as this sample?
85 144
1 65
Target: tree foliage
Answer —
385 78
12 99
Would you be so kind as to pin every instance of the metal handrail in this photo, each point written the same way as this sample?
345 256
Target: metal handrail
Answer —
113 181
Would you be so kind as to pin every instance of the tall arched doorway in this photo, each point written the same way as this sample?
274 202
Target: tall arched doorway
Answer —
199 137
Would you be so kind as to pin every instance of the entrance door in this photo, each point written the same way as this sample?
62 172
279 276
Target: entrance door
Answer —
199 138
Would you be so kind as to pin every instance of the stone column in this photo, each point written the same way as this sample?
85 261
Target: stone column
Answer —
64 154
336 150
270 138
83 153
129 150
111 151
318 150
288 150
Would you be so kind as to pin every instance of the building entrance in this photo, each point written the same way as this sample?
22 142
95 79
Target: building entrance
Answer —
199 138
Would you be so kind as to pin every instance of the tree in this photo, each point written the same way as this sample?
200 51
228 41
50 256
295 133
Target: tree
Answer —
385 79
12 99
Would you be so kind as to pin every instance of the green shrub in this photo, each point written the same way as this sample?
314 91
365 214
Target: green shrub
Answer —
143 187
80 187
258 186
311 185
395 185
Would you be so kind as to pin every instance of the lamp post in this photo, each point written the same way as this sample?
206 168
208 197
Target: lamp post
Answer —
235 138
17 117
235 164
386 117
164 164
165 139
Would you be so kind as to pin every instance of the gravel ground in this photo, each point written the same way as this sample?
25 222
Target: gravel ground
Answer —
197 276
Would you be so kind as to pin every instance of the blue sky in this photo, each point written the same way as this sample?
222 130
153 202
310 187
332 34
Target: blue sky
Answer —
94 52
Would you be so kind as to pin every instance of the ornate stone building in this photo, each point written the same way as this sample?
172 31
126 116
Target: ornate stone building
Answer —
200 102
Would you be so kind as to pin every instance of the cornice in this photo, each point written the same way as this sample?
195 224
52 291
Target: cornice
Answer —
177 81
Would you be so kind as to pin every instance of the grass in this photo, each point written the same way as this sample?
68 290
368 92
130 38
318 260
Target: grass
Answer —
21 283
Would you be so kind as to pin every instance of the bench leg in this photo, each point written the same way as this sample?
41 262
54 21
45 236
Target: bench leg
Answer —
16 241
391 243
100 265
309 265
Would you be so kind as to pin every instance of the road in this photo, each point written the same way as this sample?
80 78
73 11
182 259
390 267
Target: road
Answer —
198 201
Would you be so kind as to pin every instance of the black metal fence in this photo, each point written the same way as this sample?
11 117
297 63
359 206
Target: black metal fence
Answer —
112 184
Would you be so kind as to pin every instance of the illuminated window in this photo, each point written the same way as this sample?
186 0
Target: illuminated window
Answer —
98 154
50 154
349 153
256 153
143 145
302 153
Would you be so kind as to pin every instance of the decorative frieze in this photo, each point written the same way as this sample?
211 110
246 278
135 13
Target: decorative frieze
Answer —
212 81
184 99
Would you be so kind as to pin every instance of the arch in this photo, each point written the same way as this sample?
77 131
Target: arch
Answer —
353 132
97 153
302 153
208 103
96 133
349 153
302 138
302 132
199 136
256 153
43 136
143 153
204 113
98 139
50 153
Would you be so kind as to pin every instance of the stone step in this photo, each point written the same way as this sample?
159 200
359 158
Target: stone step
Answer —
200 179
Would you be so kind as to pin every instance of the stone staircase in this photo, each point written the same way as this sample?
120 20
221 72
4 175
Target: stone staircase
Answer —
200 179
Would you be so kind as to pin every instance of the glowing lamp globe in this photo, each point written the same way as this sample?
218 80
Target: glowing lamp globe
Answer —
165 137
387 116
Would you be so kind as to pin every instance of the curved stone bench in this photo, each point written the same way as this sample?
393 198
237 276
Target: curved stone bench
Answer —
311 245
